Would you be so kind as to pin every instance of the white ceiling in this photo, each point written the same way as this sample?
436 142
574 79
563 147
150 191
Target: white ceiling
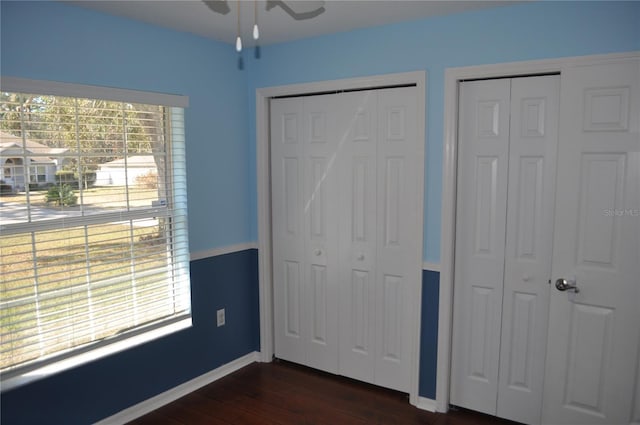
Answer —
275 25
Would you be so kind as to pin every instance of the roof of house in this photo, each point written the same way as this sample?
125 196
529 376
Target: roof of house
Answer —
9 141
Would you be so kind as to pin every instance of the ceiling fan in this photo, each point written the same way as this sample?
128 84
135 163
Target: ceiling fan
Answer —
297 9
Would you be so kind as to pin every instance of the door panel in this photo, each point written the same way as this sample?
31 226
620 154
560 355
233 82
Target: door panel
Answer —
480 234
593 336
601 188
391 195
358 237
292 299
288 260
486 208
479 357
392 339
398 247
590 336
529 233
519 374
321 226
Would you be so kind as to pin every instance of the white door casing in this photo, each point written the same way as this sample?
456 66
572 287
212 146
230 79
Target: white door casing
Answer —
359 214
592 351
264 204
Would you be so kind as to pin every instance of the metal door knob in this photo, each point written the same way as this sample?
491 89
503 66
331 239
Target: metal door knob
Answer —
567 285
318 252
360 257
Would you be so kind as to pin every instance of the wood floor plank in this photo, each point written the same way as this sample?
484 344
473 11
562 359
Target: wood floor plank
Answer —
182 410
155 418
234 413
369 403
302 405
282 393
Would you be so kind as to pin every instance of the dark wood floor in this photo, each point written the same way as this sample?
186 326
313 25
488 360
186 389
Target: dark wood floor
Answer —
284 393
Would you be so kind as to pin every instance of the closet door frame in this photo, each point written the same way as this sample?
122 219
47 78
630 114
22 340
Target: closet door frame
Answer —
453 77
263 184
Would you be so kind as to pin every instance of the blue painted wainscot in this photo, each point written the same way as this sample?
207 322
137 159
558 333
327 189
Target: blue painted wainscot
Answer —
100 389
429 334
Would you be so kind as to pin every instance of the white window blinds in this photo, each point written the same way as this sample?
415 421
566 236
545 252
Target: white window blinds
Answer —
93 236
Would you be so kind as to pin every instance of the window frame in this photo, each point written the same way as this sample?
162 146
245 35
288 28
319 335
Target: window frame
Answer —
77 356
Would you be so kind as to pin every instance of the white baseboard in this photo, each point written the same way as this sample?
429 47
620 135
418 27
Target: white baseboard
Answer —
426 404
181 390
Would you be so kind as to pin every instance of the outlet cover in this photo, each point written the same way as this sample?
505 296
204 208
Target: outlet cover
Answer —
220 319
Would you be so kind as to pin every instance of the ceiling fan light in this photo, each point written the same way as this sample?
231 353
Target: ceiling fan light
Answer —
238 44
256 32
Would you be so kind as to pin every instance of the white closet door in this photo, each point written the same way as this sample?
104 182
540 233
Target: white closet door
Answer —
480 236
529 238
398 242
593 335
305 230
289 255
346 175
358 235
322 131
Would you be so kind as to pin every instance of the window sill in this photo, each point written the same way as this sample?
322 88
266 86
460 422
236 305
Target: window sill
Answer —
89 356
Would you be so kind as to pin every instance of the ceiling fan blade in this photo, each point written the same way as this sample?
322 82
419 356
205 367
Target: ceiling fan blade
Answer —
299 10
218 6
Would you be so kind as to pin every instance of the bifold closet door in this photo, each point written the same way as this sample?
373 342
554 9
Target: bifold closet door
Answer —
528 247
378 243
506 177
344 212
399 245
483 154
358 239
304 138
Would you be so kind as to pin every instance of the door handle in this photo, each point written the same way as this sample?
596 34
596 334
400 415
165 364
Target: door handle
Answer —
567 285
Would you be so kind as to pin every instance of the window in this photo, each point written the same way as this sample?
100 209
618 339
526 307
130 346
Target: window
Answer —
37 174
96 252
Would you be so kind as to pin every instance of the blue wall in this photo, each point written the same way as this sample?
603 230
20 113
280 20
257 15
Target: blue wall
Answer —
504 34
53 41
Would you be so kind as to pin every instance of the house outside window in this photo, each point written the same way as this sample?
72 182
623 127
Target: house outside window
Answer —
87 265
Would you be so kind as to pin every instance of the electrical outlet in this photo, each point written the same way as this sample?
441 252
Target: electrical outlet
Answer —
220 317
